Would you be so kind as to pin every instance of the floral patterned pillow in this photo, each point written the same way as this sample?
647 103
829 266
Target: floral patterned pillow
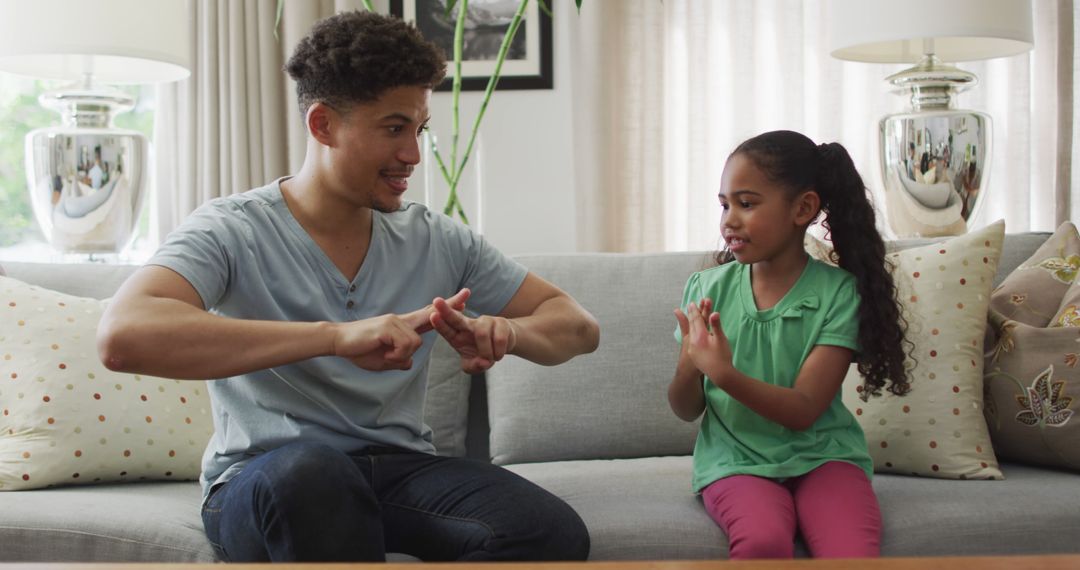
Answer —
1032 383
1033 293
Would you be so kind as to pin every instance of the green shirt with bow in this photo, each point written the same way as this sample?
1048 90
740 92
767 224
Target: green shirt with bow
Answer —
771 346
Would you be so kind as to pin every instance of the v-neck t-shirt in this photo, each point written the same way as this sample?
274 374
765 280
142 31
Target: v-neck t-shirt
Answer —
771 345
249 258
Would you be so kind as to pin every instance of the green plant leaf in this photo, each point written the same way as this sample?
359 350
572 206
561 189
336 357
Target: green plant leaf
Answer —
543 6
277 19
578 2
450 7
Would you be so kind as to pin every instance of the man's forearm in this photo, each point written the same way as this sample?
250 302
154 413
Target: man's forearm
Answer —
168 338
557 331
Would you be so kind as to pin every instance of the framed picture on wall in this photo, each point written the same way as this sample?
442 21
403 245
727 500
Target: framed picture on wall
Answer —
528 62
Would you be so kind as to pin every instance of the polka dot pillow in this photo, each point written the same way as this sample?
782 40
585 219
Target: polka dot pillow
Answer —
937 429
66 419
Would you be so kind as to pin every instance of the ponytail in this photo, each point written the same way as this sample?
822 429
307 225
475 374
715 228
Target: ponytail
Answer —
795 162
859 249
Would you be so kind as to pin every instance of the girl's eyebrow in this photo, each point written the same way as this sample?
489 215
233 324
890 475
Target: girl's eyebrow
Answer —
739 193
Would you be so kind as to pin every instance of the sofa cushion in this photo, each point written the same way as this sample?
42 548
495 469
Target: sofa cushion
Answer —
1033 511
446 408
1032 293
1032 383
611 403
635 509
644 509
139 522
66 419
937 429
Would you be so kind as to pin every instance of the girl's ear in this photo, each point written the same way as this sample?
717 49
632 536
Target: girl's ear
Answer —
807 205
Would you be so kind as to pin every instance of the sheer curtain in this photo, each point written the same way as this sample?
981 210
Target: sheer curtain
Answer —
666 90
233 125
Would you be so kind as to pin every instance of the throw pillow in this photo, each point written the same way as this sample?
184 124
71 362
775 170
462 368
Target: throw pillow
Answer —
937 429
1032 381
1033 293
66 419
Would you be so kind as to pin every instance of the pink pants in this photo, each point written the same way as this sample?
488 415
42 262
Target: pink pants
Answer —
833 506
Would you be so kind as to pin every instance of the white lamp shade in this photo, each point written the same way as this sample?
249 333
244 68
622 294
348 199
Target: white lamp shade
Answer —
117 41
892 31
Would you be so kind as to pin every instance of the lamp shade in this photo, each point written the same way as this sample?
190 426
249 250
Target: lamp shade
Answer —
116 41
887 31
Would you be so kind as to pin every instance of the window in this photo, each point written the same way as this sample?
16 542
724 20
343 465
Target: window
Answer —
21 239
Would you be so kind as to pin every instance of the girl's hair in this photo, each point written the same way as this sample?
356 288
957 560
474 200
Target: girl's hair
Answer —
796 163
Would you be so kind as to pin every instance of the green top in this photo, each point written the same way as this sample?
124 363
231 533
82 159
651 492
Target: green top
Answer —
771 346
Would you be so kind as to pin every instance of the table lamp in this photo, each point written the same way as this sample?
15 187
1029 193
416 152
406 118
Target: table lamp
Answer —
934 158
87 178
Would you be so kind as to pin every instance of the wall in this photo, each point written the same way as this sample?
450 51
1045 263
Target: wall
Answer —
529 203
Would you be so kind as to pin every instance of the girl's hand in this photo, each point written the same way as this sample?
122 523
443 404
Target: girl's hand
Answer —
704 341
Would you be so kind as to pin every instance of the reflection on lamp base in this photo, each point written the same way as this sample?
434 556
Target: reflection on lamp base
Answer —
87 178
86 186
933 166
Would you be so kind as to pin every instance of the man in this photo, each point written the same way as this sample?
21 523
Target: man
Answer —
96 176
307 301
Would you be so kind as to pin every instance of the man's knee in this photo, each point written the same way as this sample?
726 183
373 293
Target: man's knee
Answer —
302 475
556 532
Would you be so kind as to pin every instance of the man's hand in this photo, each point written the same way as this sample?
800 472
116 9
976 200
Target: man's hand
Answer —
420 319
481 342
388 342
704 341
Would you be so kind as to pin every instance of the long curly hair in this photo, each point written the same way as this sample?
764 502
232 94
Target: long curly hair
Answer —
354 57
793 161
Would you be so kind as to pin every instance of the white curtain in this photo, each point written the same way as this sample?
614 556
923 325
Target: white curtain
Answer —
233 125
665 90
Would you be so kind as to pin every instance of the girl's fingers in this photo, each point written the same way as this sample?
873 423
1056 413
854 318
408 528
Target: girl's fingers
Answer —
684 323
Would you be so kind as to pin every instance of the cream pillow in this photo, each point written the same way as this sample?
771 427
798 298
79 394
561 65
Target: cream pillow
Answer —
937 429
66 419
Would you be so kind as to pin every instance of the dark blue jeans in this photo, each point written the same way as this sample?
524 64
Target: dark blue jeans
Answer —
310 502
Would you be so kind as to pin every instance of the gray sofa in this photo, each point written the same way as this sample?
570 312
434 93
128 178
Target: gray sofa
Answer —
596 431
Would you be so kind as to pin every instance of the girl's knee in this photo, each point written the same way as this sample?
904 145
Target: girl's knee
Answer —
761 545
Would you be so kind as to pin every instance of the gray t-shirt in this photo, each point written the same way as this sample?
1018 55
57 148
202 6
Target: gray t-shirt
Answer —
249 258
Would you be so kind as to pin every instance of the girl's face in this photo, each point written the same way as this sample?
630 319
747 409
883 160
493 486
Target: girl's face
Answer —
760 221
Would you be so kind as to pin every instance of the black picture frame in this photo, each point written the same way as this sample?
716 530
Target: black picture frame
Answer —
533 71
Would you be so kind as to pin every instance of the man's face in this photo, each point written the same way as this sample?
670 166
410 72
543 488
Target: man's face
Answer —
377 146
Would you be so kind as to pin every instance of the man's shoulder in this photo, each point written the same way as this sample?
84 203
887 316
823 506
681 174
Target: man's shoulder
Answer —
414 217
244 202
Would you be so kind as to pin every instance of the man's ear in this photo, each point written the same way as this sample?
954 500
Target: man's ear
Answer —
807 206
321 120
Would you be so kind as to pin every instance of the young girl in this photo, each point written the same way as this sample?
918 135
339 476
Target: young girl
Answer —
777 450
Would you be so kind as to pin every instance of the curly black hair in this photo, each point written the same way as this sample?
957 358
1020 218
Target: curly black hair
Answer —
796 163
354 57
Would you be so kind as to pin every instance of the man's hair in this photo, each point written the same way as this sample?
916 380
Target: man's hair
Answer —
354 57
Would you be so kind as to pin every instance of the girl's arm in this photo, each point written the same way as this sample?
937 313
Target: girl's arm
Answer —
685 394
796 408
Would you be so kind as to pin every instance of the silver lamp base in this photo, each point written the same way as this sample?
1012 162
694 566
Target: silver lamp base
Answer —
933 158
932 165
87 178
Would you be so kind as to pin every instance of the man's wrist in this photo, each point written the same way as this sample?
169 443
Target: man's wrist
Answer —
512 338
327 332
